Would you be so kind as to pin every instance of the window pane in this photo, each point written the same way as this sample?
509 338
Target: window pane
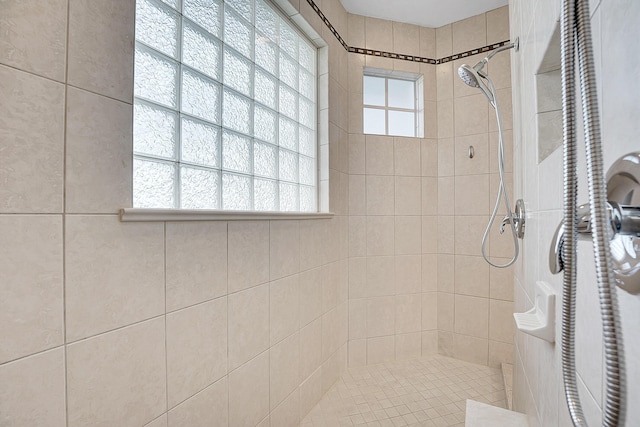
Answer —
288 40
374 121
288 166
307 199
236 152
238 72
265 124
200 143
200 51
155 131
236 112
288 71
307 85
402 94
288 197
236 192
206 13
264 160
307 141
265 195
200 96
288 135
156 78
374 91
238 33
200 188
157 26
173 3
266 54
307 113
288 102
266 89
267 20
307 170
307 57
243 7
153 184
402 123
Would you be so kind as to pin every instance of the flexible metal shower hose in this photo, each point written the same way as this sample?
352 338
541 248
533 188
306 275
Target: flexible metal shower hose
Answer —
575 23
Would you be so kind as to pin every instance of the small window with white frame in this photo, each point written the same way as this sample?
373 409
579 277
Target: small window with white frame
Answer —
393 103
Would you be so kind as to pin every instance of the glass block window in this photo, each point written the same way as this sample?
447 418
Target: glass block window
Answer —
224 109
393 105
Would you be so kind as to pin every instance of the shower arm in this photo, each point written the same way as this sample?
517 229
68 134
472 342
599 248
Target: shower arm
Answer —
514 45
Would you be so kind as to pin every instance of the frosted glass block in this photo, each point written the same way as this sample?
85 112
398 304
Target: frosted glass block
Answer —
206 13
264 160
156 78
266 89
288 71
402 123
238 33
402 94
288 137
153 184
307 141
288 102
266 54
267 20
288 40
200 96
200 189
265 124
236 192
200 143
236 112
238 72
157 26
289 196
374 121
236 152
307 56
265 195
288 166
307 170
200 50
307 113
307 85
243 7
374 91
308 199
154 131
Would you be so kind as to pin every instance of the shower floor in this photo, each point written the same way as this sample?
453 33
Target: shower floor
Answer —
419 392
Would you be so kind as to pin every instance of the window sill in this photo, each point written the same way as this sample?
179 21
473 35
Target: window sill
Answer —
138 215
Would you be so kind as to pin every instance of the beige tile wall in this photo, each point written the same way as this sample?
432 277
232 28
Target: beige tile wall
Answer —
159 324
418 208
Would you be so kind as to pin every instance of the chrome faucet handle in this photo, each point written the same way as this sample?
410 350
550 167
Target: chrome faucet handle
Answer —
505 221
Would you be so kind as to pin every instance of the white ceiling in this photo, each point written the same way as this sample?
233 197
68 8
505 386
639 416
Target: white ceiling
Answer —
427 13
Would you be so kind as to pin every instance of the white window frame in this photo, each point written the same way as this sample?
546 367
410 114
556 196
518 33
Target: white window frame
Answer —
318 199
418 110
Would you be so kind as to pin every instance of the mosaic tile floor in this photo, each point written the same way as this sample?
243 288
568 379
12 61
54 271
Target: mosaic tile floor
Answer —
428 392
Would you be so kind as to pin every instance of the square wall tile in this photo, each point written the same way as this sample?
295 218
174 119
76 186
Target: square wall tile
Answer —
31 166
357 236
357 352
31 294
196 262
310 348
479 164
408 313
498 25
472 115
408 346
429 157
472 195
207 408
429 234
429 343
101 41
248 248
446 273
408 193
472 276
196 349
469 33
380 276
429 273
501 322
379 155
32 390
380 195
408 232
357 149
114 273
129 366
310 392
470 349
444 44
380 235
284 248
406 155
379 34
312 236
381 349
249 392
408 274
284 308
469 231
357 195
99 165
310 295
472 316
430 196
429 311
445 311
35 37
381 316
248 324
287 414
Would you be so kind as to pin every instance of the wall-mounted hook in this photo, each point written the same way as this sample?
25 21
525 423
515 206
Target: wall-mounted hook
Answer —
472 152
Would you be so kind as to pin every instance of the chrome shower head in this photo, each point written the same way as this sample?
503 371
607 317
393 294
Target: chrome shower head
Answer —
472 76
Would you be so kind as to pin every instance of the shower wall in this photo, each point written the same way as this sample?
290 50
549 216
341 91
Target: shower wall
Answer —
150 323
418 207
538 389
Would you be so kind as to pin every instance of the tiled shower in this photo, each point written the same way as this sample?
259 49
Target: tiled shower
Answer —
248 321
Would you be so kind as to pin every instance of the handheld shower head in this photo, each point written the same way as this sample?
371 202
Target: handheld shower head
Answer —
472 77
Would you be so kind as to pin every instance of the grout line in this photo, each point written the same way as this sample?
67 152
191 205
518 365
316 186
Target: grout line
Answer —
64 223
166 355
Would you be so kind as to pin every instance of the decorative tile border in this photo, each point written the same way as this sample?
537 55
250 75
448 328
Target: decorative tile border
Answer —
401 56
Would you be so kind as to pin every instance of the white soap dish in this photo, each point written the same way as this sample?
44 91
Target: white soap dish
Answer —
540 320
